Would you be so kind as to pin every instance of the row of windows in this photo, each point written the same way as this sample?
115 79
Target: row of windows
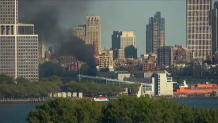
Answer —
199 47
198 7
199 42
20 39
199 1
19 44
199 36
197 24
8 15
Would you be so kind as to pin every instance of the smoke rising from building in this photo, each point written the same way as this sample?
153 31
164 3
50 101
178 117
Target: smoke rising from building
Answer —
78 48
48 17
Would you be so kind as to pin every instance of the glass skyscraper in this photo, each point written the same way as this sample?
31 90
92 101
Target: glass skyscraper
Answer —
155 33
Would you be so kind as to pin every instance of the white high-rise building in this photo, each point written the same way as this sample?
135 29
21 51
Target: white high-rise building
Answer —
198 24
18 44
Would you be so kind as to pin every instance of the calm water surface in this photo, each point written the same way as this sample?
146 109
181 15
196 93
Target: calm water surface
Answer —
17 113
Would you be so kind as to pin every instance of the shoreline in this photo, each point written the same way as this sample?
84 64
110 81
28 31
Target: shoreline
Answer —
38 100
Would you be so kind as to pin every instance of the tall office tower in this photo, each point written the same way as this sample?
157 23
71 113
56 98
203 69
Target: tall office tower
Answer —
93 30
155 33
116 43
215 28
18 44
89 32
123 41
198 24
80 31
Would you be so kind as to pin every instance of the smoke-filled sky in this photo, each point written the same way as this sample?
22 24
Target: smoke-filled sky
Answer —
122 15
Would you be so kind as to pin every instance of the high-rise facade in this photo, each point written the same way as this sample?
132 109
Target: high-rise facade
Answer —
164 56
155 33
18 44
93 30
198 25
116 43
123 41
80 31
90 32
215 28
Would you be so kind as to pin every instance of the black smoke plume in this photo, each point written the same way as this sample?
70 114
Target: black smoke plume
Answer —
48 17
78 48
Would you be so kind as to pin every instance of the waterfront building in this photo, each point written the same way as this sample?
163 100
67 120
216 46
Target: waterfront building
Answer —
124 44
18 44
163 84
153 83
198 24
155 33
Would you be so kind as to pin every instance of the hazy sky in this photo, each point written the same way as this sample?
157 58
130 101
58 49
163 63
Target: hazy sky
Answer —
124 15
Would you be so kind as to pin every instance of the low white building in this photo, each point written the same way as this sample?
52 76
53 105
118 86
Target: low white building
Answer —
163 84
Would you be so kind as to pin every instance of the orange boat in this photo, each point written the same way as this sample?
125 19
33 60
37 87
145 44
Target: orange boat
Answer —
196 89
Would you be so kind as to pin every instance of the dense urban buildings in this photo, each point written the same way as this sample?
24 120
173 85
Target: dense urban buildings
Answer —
181 54
155 33
90 32
106 59
124 44
164 56
18 43
198 24
215 28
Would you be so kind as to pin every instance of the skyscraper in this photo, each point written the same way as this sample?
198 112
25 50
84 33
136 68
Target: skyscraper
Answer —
155 33
18 44
215 28
89 32
123 41
198 24
93 30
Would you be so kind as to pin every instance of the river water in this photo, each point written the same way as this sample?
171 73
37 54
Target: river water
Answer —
17 113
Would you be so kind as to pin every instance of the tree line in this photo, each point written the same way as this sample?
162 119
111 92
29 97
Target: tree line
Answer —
126 109
49 69
23 88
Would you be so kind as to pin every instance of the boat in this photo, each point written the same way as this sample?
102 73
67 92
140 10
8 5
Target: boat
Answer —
101 98
206 88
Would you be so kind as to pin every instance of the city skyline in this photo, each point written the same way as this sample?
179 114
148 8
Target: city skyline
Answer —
136 20
127 19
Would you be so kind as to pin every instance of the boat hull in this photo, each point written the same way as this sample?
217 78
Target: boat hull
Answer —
101 100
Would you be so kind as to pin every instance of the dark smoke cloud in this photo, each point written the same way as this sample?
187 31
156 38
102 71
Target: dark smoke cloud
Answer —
50 19
77 47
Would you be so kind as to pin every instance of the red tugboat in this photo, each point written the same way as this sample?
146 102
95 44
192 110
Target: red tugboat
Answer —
101 98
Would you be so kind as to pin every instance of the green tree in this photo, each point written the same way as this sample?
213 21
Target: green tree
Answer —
134 88
63 110
4 79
